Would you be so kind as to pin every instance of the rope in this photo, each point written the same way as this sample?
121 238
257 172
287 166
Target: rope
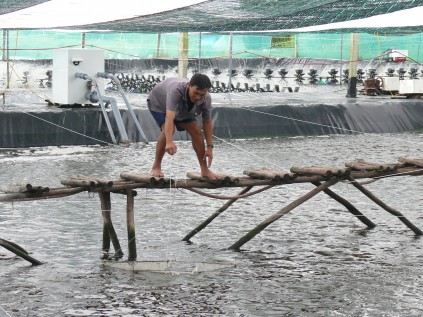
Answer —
230 197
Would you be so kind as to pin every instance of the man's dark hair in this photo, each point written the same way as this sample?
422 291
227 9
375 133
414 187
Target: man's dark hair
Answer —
201 81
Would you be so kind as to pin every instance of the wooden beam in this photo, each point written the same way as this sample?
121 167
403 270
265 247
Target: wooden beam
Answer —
106 210
263 225
14 248
214 215
379 202
349 206
130 220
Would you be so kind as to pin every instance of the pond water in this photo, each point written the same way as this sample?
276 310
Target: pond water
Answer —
317 260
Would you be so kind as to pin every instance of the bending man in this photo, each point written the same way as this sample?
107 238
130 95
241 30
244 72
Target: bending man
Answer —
175 103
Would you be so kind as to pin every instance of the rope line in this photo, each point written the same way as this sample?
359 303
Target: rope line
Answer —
67 129
230 197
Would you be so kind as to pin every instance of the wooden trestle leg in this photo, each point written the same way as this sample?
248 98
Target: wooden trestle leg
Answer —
16 249
109 232
392 211
250 235
349 206
214 215
130 220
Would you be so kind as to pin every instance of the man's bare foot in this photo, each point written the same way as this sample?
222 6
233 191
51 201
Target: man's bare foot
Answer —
156 172
209 174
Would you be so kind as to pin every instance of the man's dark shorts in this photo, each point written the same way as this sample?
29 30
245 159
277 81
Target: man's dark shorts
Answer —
160 118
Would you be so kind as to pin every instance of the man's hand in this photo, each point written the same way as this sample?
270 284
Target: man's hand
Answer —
208 156
170 148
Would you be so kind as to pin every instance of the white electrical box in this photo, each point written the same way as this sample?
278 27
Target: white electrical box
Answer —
398 55
391 83
411 86
67 89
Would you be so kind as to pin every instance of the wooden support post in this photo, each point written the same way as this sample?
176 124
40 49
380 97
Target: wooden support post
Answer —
392 211
348 205
14 248
214 215
130 220
237 245
106 210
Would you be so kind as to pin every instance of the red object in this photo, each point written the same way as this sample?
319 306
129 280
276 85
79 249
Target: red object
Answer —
400 59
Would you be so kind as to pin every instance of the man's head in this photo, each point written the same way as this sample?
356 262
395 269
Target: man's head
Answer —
198 87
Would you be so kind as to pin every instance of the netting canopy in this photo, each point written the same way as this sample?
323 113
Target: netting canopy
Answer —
257 15
225 15
7 6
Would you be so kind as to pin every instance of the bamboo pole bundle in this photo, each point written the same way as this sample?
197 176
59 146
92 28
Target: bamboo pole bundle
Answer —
362 165
28 188
146 178
97 181
223 179
76 182
265 173
324 171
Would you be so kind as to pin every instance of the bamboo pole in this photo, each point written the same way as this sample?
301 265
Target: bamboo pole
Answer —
392 211
14 248
214 215
408 161
106 210
130 220
349 206
263 225
52 193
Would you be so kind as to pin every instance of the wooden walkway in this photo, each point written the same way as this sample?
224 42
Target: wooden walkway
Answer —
321 177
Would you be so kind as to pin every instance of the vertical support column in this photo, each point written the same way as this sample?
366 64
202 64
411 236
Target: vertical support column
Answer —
7 60
109 232
130 220
3 47
83 40
159 39
352 82
183 55
231 38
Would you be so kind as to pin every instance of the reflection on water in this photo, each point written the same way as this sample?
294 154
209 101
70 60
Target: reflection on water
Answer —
318 260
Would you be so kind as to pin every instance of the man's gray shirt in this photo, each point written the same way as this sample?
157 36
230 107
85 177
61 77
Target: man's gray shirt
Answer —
171 94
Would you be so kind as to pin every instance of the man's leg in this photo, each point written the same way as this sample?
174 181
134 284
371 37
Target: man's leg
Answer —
156 170
198 145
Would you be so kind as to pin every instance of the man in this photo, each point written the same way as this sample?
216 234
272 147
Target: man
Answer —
175 103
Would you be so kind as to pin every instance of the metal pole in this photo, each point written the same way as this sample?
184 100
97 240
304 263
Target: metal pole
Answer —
352 82
7 60
199 55
83 40
230 61
3 51
340 69
159 39
183 55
